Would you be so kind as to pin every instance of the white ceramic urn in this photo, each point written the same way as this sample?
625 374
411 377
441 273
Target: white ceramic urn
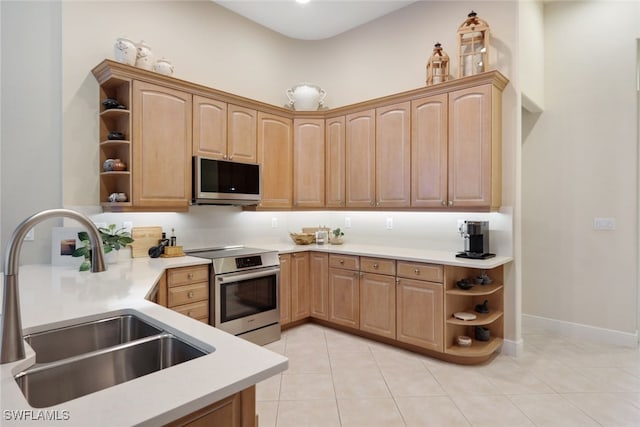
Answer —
144 58
306 97
125 51
163 66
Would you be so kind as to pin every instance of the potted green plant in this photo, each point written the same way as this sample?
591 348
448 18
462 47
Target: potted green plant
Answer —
112 241
336 238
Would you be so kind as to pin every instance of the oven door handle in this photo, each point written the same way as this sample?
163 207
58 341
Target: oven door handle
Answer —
246 276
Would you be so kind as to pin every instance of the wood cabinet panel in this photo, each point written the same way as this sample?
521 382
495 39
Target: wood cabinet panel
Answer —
378 304
360 159
275 154
284 289
349 262
308 163
335 162
378 265
300 297
242 129
319 285
187 294
393 156
209 127
421 271
344 297
470 144
161 147
186 275
420 313
429 140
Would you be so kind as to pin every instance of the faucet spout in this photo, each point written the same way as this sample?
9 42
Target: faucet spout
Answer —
12 348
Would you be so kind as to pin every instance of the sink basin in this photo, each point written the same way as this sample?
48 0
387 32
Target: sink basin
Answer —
62 343
66 379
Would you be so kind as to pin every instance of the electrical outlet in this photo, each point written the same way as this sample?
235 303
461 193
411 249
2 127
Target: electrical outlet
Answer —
31 235
347 222
604 223
460 223
274 222
127 225
389 223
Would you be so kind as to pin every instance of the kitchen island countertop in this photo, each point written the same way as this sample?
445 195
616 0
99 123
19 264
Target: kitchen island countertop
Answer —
53 297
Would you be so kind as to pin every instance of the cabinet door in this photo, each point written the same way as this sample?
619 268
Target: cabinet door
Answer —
319 285
393 151
429 152
284 289
419 313
242 128
335 162
161 147
470 147
308 163
378 304
299 286
344 297
360 159
275 154
209 127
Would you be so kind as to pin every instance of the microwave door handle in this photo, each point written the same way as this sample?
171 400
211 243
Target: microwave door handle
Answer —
246 276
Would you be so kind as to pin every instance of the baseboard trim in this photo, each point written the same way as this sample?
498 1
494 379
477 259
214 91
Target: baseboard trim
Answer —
577 330
512 348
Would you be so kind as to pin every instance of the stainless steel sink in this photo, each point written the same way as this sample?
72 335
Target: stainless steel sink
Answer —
57 382
62 343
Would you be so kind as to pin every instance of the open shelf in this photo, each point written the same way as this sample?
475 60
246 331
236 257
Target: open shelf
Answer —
476 290
482 319
477 348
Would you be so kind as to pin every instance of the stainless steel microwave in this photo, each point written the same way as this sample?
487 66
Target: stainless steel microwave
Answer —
220 182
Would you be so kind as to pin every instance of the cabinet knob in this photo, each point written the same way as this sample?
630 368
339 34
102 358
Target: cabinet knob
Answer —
377 203
443 203
417 271
190 294
361 274
230 157
397 281
224 156
189 313
190 276
341 262
450 202
375 265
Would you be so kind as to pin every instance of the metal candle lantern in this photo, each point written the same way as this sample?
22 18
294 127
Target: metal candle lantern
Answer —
438 66
473 46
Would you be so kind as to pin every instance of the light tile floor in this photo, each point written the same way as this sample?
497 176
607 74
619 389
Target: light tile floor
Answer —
337 379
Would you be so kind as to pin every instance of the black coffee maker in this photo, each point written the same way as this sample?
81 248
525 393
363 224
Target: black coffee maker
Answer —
476 240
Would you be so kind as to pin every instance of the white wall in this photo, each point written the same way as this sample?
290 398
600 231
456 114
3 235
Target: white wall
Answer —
31 120
580 162
531 50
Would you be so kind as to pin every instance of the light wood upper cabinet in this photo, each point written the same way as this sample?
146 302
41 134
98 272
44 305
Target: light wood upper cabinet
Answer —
319 285
308 163
393 156
275 154
360 159
475 171
209 127
335 162
429 169
161 119
242 134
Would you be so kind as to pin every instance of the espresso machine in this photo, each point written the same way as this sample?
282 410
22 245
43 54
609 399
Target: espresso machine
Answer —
476 240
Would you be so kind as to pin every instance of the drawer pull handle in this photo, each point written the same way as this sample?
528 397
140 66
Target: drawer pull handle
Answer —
190 276
341 261
189 314
190 294
375 265
417 271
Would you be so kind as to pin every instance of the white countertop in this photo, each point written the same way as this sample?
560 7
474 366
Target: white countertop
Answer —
59 296
398 253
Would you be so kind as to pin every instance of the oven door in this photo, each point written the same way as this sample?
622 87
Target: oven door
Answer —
246 301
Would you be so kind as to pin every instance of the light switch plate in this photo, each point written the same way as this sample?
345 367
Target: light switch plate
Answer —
389 223
274 222
347 222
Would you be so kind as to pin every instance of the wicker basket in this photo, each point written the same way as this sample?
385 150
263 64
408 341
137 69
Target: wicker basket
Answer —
303 238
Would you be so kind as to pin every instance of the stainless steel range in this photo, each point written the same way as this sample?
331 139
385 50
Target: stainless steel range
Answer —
244 292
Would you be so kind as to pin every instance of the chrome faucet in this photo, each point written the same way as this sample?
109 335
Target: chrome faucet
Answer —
12 341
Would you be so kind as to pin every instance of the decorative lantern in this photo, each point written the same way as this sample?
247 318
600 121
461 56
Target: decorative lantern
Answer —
473 46
438 66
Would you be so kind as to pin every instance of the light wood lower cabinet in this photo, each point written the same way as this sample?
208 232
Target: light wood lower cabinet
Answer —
344 291
378 304
284 289
319 285
186 290
237 410
420 313
299 286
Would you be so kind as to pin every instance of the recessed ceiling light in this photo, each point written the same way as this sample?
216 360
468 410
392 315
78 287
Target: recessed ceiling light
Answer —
303 1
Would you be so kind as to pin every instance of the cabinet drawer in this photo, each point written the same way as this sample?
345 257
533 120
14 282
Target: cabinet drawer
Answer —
348 262
187 275
421 271
186 294
197 310
378 265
